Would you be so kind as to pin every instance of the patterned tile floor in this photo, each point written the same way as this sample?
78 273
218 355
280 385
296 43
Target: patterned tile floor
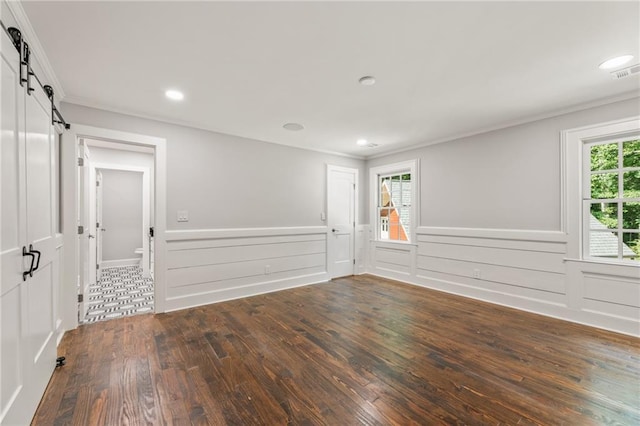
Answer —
120 291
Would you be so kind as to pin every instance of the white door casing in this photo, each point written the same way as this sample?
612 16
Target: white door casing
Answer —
70 190
84 238
100 229
341 214
28 311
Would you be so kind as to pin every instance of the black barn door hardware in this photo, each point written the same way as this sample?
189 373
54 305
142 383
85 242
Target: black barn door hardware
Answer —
31 250
25 63
33 254
33 258
56 117
60 361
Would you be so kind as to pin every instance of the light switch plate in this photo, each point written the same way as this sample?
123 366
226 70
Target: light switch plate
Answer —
183 216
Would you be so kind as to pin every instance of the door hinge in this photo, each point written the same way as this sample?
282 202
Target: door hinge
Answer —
97 266
97 183
80 298
97 224
80 229
80 161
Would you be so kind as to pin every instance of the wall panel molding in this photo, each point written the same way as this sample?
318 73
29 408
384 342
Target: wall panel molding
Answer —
213 265
210 234
499 234
522 269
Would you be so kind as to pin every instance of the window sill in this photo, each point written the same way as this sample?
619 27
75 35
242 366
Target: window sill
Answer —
394 244
629 263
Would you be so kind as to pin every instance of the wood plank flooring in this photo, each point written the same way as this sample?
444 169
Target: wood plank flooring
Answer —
358 350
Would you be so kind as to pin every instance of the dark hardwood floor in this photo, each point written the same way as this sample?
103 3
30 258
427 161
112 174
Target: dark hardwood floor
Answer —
360 350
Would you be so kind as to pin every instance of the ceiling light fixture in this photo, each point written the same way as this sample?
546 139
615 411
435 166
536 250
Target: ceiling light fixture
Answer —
174 95
294 127
615 62
367 80
362 142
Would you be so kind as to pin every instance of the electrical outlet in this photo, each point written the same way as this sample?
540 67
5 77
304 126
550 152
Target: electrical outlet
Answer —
476 274
183 216
267 269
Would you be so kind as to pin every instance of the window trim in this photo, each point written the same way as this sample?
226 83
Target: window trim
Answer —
619 200
410 166
574 182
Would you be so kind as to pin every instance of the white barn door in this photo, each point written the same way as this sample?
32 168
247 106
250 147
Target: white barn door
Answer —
341 211
28 290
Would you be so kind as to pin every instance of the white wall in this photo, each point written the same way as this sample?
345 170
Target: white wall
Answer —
254 211
506 179
492 205
226 181
121 214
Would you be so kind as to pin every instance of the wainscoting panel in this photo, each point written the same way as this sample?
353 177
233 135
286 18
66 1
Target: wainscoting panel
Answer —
209 266
392 260
607 294
527 270
362 248
538 280
612 289
516 258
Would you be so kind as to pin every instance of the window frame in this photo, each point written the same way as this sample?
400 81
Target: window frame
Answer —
572 220
375 174
619 200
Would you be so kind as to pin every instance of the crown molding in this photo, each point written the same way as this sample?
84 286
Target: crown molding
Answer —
38 52
554 113
96 105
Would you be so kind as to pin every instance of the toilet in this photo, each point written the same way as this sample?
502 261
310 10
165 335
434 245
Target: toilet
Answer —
139 251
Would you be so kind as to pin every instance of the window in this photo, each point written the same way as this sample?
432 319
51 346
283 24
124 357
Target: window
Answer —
393 202
394 206
611 200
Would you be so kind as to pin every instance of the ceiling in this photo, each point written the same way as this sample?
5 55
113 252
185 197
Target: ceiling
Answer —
442 69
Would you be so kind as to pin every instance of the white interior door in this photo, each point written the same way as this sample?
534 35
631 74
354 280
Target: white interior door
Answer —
341 206
41 292
13 346
27 301
100 226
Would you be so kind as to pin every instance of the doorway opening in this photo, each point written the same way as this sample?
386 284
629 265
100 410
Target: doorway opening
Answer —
116 230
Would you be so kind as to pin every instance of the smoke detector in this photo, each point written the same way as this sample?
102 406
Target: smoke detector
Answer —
626 72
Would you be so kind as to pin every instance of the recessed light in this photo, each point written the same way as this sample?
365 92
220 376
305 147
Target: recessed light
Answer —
174 95
294 127
367 80
615 62
362 142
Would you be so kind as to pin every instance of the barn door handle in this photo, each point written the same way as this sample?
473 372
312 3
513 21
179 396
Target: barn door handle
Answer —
33 258
31 250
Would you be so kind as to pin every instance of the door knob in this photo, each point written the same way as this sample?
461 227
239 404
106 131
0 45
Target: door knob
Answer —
91 236
334 230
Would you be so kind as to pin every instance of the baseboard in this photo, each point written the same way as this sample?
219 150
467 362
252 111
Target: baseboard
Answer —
554 310
120 262
254 289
